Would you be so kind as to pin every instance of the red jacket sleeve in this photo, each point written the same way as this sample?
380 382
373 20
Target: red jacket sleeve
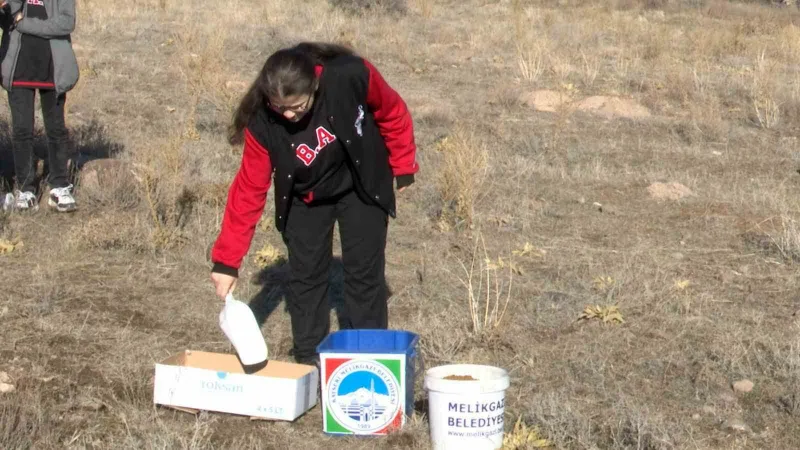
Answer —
394 122
246 199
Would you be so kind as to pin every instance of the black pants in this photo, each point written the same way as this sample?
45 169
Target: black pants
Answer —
21 103
309 239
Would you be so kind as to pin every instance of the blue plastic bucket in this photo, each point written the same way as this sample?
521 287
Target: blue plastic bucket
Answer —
367 380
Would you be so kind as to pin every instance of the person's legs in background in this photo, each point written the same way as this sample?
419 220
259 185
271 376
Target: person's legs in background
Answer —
61 197
21 102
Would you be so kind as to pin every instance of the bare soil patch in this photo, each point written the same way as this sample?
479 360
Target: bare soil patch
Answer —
612 107
608 107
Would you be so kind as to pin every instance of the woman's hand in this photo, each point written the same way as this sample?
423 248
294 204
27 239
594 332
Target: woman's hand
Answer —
223 283
17 17
403 182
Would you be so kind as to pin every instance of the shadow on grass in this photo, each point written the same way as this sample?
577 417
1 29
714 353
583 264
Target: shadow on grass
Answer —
87 142
274 281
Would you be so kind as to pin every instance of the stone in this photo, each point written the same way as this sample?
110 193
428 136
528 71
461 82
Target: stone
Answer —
6 388
110 182
669 191
544 100
743 386
99 173
4 378
737 426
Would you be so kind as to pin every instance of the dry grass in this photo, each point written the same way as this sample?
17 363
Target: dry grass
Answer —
488 289
463 173
706 284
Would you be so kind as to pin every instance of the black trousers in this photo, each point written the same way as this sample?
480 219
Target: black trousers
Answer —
21 103
309 239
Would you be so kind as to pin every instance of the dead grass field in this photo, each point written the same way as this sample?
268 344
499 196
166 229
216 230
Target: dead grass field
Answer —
707 283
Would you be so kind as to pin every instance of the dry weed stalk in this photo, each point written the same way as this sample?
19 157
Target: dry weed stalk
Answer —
8 246
591 68
204 69
425 8
524 436
767 112
161 174
792 372
788 242
517 13
488 300
530 61
464 168
765 105
785 240
268 256
564 111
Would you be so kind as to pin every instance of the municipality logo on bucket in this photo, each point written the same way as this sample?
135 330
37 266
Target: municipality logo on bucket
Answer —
363 396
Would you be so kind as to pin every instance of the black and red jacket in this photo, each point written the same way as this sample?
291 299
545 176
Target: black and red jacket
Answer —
370 120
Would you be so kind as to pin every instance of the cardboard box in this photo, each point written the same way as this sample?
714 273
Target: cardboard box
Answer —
194 380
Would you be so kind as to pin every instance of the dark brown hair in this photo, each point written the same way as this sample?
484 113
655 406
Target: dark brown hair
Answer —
287 72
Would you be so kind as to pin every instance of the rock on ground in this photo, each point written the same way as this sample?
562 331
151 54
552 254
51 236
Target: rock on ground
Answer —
743 386
669 191
99 173
737 426
544 100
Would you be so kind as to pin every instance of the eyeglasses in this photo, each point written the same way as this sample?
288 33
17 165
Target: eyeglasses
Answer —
295 109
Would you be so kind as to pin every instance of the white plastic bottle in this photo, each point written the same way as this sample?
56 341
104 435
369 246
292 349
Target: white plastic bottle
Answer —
240 326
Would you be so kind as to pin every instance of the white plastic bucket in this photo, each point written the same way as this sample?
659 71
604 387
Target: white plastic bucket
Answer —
466 414
240 326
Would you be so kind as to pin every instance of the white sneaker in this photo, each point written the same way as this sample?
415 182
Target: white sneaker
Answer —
8 201
62 200
26 202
